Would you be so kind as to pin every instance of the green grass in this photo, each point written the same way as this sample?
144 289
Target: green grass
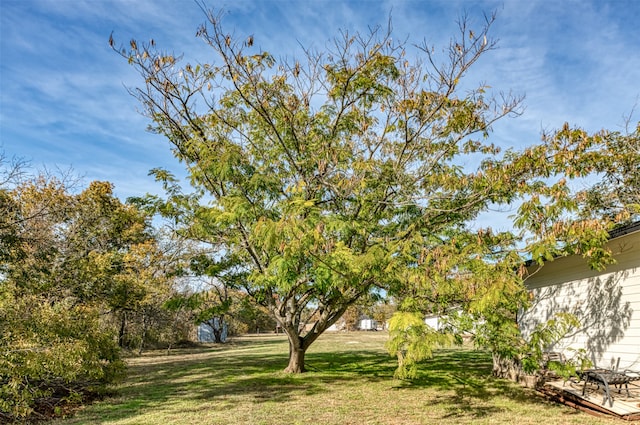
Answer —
350 382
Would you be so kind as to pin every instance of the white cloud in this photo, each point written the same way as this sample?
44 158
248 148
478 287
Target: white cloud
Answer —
64 101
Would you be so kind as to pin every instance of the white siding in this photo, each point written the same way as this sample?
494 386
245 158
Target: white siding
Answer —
607 303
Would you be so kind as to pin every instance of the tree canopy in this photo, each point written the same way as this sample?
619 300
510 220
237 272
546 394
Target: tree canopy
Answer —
357 169
77 271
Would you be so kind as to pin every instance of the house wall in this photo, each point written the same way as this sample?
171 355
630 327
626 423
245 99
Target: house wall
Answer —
607 303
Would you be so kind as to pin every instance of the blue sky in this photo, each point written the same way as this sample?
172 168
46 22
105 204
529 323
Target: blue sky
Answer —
64 103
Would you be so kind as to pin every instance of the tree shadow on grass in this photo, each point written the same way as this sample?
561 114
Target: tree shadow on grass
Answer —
212 375
252 373
465 384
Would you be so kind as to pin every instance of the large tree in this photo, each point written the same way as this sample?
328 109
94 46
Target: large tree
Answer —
582 187
616 194
342 171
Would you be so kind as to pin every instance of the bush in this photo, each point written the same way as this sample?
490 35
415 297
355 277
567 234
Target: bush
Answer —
52 355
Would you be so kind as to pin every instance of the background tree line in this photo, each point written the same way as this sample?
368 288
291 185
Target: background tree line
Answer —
84 276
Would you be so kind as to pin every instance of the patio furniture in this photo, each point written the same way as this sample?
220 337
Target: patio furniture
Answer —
548 372
552 356
605 378
633 375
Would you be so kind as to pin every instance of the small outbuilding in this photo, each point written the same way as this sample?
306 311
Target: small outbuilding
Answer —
213 330
367 325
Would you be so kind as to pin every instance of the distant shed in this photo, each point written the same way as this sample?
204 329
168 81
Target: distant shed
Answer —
205 331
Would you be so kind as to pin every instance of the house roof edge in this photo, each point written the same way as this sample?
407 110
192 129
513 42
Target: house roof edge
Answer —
625 230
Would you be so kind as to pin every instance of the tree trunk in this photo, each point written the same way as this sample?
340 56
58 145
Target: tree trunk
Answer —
217 335
504 367
123 330
217 328
298 344
144 334
296 359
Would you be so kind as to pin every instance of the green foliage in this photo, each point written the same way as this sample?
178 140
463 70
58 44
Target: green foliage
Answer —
546 335
616 194
543 338
323 175
245 316
71 264
48 348
412 340
503 338
334 174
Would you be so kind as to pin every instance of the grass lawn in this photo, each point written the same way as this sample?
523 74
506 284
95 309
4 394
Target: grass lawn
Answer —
350 382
